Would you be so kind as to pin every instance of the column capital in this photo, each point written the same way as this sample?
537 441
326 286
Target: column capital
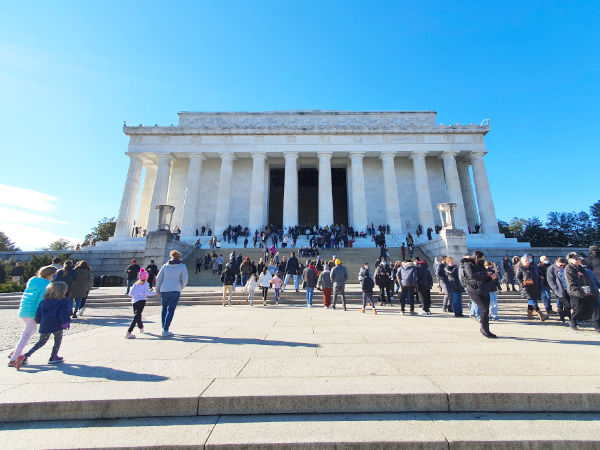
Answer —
224 156
133 155
463 162
258 155
415 155
199 156
477 154
164 156
384 155
357 155
293 155
449 154
327 155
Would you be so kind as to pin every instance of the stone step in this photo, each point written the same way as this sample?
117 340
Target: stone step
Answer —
318 431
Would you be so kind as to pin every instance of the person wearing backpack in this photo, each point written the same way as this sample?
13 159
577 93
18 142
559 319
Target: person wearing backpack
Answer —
227 278
367 285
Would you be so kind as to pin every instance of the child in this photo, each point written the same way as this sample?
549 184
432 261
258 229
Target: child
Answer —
276 282
54 316
139 293
250 287
32 296
264 281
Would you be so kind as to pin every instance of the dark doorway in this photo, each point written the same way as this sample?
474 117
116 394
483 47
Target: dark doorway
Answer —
308 196
276 196
340 195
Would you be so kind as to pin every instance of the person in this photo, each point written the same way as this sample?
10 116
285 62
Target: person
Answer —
582 292
53 315
264 281
67 275
339 276
403 251
493 269
324 283
31 298
593 261
544 287
250 287
454 287
277 283
367 284
530 286
478 287
291 269
424 285
556 280
132 274
171 280
198 264
407 277
152 270
220 264
81 285
227 278
139 293
310 276
17 273
57 263
382 278
442 281
245 270
509 274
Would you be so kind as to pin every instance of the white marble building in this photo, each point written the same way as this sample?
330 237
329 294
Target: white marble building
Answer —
307 167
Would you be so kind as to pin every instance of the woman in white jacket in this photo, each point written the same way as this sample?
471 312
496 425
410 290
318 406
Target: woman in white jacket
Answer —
264 281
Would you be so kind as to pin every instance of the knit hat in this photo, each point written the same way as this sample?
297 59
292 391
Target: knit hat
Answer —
143 275
593 248
337 262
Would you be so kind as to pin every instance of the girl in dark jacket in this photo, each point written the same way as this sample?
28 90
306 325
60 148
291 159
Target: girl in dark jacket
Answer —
478 287
531 287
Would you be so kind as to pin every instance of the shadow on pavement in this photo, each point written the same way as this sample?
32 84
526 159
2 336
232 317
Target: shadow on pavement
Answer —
551 341
84 370
231 341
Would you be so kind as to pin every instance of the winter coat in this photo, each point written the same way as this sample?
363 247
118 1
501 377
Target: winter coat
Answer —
132 271
593 263
530 282
264 279
542 269
310 276
66 276
82 283
577 279
251 284
246 268
324 281
32 296
407 275
363 272
152 270
339 276
555 282
172 277
52 314
478 279
382 276
424 278
453 283
228 277
292 266
367 283
440 273
140 291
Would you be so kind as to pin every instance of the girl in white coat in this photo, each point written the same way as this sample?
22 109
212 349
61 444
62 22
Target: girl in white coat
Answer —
264 281
250 287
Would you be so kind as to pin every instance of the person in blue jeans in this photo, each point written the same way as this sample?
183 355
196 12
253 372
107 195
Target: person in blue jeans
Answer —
310 277
543 267
455 289
493 269
171 280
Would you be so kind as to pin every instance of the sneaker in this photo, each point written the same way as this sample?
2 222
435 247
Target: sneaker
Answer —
428 313
129 336
21 361
166 333
10 356
74 316
81 311
264 303
422 313
56 360
362 310
142 330
11 363
403 312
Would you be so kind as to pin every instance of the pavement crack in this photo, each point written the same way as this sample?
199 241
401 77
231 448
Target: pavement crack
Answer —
211 430
243 367
434 423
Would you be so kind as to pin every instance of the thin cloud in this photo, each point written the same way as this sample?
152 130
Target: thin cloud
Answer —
28 237
26 198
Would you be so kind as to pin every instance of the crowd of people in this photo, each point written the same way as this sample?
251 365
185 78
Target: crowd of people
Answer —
57 293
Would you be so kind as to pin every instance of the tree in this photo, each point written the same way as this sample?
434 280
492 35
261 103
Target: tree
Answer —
101 232
516 227
6 245
60 244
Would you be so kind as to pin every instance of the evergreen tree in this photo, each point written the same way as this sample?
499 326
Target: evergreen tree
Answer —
6 245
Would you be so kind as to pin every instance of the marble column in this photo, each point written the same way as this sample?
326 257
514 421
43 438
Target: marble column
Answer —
189 223
359 202
257 193
390 186
424 204
161 189
129 199
453 189
147 190
489 222
467 192
325 191
224 194
290 190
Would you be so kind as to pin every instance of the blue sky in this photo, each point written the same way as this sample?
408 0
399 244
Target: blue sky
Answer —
72 72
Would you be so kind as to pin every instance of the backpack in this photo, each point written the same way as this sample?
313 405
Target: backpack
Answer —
368 284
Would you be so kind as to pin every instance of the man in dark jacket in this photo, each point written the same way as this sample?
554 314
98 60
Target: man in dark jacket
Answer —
152 270
545 288
443 280
227 278
424 285
555 275
408 280
478 288
593 261
455 289
310 276
132 273
382 279
583 294
291 269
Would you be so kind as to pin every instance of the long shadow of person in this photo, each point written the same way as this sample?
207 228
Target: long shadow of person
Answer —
233 341
88 371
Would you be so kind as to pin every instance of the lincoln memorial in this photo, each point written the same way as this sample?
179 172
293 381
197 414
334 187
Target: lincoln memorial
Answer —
306 167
